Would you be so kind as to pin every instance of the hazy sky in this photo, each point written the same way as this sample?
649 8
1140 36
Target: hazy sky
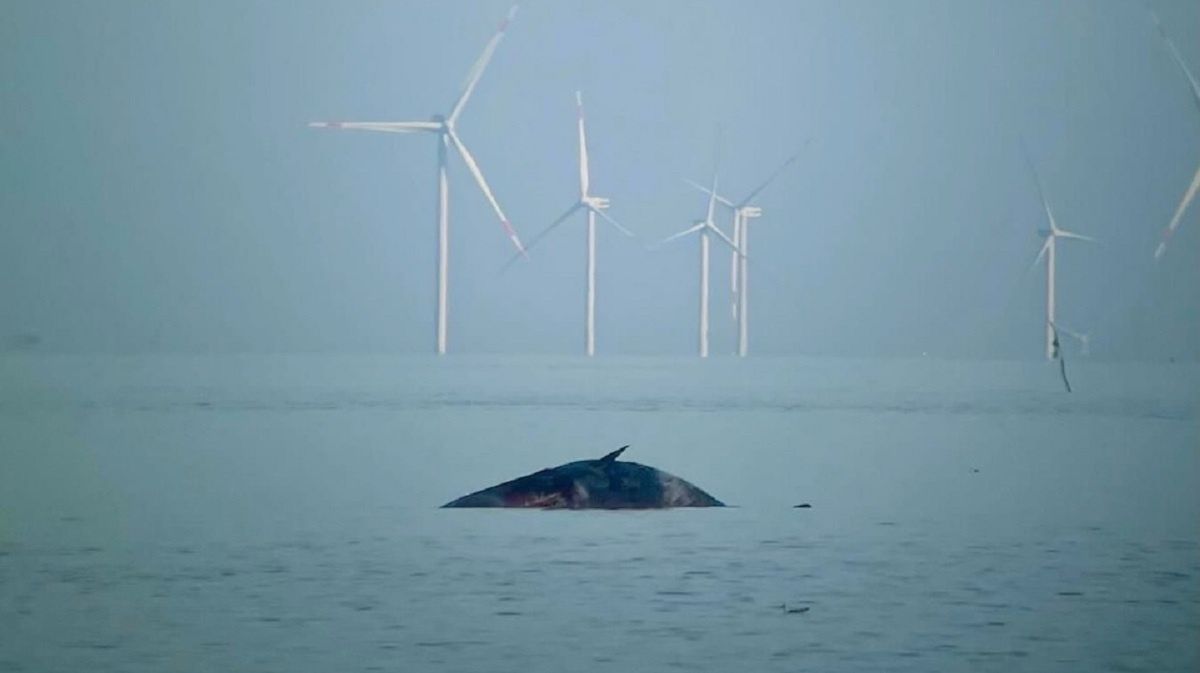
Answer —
161 191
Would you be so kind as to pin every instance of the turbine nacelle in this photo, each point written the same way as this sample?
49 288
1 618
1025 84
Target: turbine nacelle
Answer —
595 202
750 211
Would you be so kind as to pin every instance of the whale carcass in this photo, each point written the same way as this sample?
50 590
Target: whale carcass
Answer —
605 483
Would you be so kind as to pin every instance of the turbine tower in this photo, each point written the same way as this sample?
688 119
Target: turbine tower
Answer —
1049 251
594 205
739 277
446 128
1195 186
703 228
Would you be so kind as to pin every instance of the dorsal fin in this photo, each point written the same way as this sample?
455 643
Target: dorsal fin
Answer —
613 456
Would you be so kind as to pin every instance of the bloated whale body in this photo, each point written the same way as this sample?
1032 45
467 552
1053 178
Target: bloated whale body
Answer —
606 483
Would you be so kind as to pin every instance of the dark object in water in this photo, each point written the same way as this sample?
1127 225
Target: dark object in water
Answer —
803 505
1058 355
794 611
606 483
19 342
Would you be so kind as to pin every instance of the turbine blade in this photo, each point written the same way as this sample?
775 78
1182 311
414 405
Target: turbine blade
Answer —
712 192
613 222
712 200
771 178
1063 233
583 155
1041 254
1191 193
480 65
1183 206
690 230
726 240
1041 190
542 234
483 186
720 199
1178 59
387 127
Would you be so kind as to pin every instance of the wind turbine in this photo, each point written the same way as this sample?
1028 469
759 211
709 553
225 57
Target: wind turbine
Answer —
594 205
739 277
703 227
1195 186
1049 249
446 129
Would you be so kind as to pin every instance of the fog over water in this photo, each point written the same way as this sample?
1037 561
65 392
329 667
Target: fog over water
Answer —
280 513
162 192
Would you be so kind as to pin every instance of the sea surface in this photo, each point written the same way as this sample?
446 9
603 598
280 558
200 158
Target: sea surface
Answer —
280 513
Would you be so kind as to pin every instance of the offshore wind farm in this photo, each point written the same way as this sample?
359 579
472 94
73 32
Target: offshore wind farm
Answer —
737 240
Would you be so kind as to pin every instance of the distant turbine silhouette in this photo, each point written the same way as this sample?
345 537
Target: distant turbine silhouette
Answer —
703 227
595 205
446 129
1048 251
739 278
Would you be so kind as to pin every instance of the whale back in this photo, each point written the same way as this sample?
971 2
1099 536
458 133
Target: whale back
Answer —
604 483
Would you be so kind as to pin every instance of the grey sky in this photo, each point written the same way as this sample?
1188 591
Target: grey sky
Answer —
162 192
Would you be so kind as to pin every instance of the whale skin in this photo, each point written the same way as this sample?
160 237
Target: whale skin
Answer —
604 483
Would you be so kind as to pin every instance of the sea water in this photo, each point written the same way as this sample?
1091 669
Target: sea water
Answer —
280 513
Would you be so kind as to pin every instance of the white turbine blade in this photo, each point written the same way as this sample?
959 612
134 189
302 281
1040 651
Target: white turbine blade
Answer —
483 186
480 65
771 178
712 202
725 239
1191 192
611 221
1063 233
583 155
1041 254
387 127
542 234
1046 206
1179 60
720 199
690 230
1040 188
712 191
1183 206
